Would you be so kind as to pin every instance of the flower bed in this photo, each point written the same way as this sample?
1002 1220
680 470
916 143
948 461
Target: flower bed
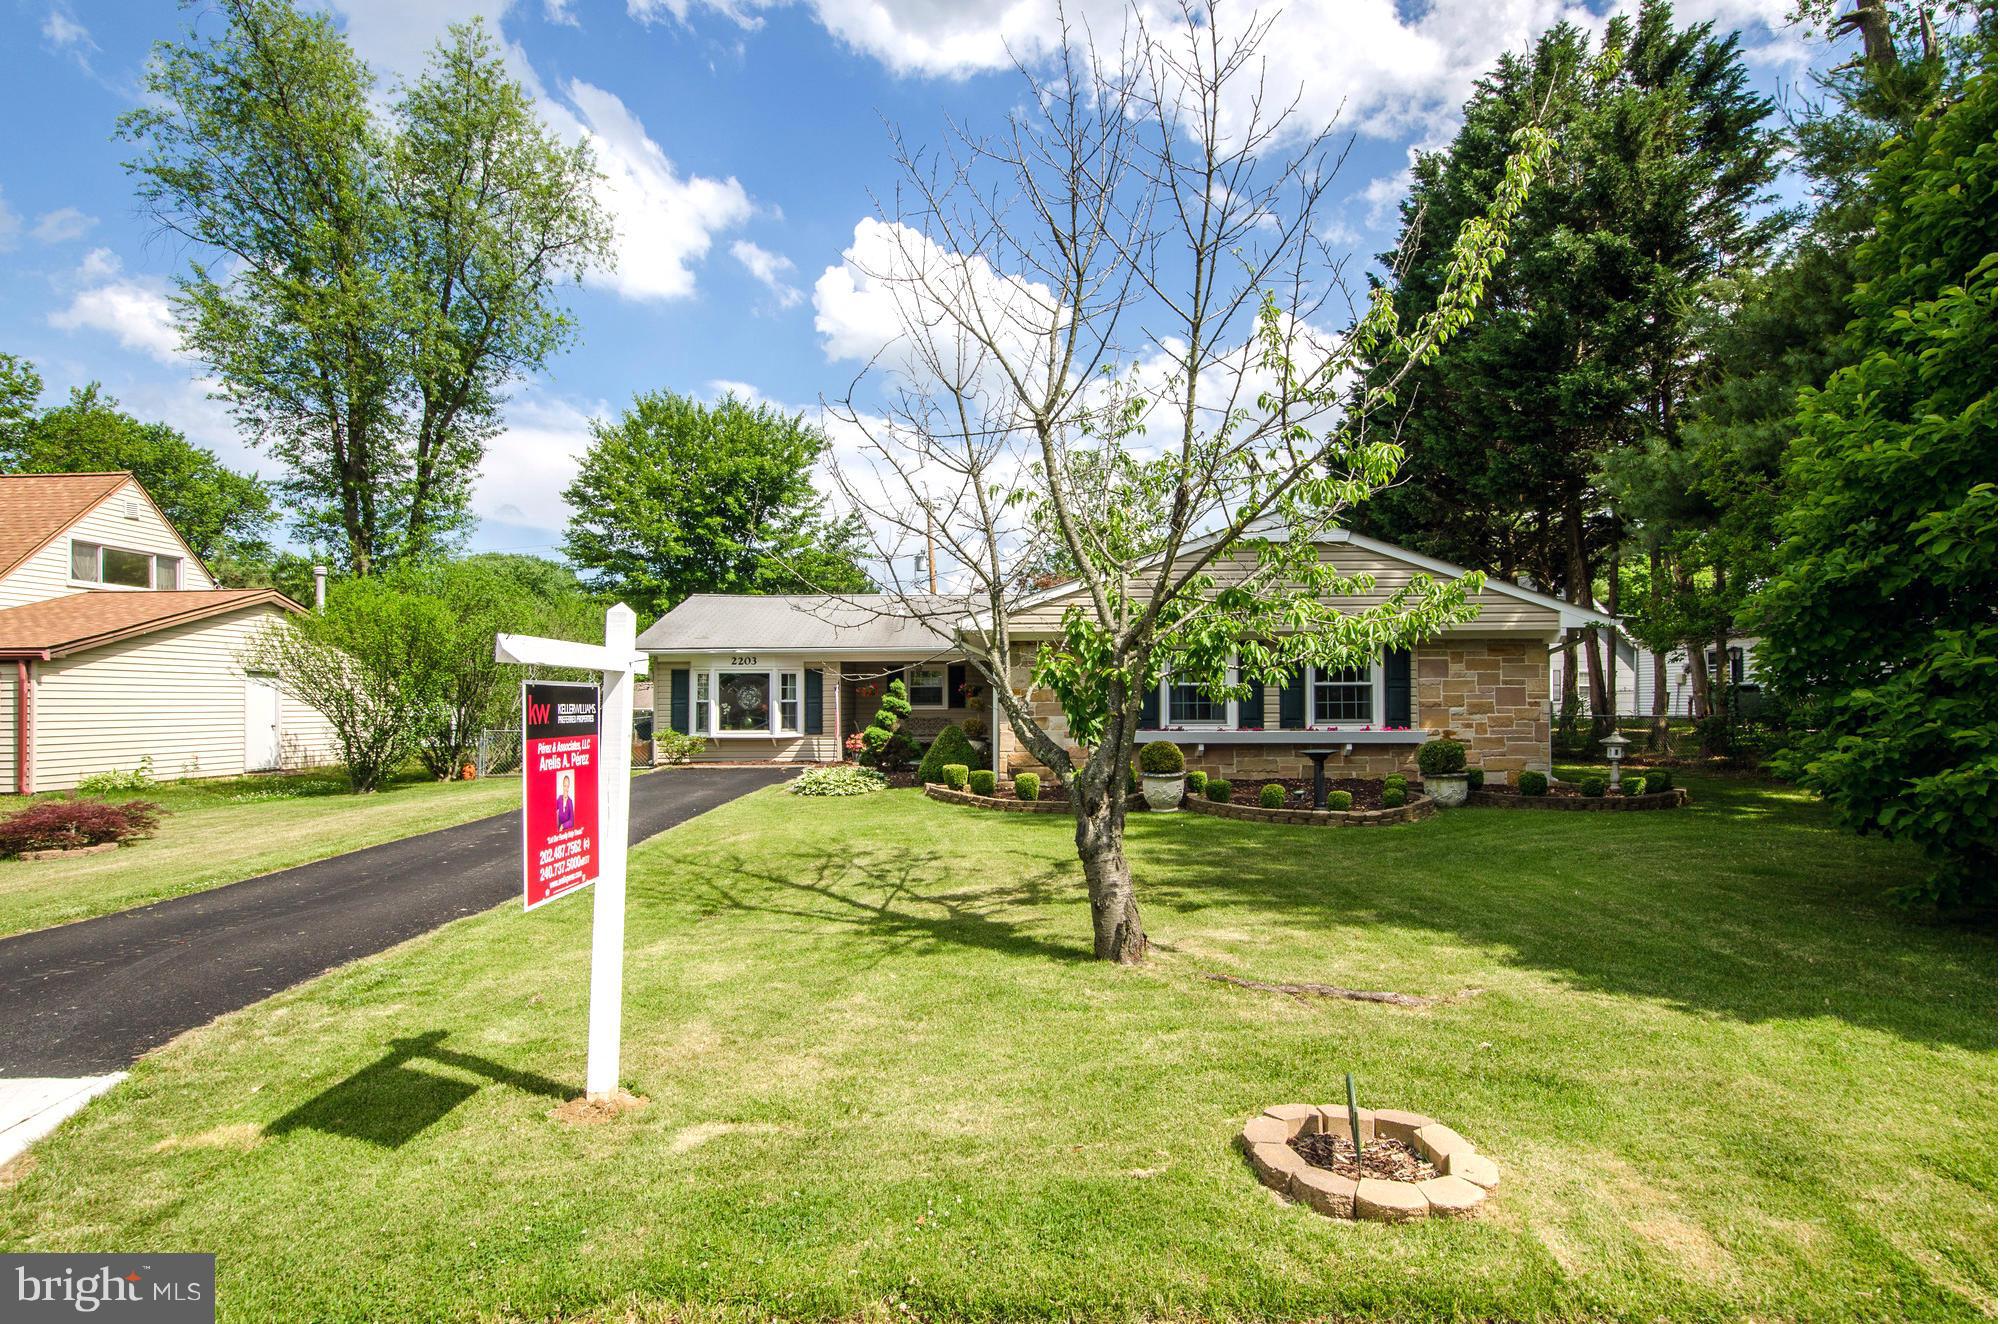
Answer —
1419 806
1052 802
1367 793
1563 795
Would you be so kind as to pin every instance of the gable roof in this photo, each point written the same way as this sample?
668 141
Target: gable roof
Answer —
858 623
57 627
35 508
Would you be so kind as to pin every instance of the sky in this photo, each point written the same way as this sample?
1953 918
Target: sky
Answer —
745 145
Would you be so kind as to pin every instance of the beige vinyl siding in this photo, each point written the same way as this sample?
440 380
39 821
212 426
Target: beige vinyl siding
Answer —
1498 612
10 676
45 575
822 748
177 694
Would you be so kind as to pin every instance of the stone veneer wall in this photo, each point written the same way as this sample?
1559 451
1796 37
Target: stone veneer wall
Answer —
1492 693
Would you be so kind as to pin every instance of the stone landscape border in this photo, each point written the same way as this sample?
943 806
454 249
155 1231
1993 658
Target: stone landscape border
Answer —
938 791
1465 1177
1609 802
1418 806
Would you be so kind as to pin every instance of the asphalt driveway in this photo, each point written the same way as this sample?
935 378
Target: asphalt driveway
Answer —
90 997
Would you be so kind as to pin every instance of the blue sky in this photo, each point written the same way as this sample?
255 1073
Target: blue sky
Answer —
744 141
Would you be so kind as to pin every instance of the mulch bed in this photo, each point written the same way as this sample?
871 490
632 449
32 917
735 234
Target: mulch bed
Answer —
1391 1160
1558 790
1298 790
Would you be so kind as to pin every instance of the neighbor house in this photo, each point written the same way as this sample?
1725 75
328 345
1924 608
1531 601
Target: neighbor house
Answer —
784 679
117 648
1633 672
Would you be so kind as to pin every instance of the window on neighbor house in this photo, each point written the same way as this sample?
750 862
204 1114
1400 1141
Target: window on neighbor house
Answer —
1344 694
927 687
94 563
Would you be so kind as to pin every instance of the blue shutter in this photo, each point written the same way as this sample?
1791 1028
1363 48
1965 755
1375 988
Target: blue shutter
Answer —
1292 701
954 685
1250 708
1396 689
813 701
677 710
1149 710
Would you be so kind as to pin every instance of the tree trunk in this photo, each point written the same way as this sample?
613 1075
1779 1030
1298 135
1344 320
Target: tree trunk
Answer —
1098 799
1698 678
1656 736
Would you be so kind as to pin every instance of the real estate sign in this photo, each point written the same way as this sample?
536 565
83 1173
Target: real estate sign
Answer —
559 729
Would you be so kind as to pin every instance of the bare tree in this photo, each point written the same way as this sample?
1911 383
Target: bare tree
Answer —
1109 336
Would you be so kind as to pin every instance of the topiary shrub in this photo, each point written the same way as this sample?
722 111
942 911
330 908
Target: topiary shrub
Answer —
1441 758
1659 779
1197 782
951 746
1393 797
1218 790
1635 785
1593 784
1161 758
888 747
981 781
1475 779
1532 783
1339 800
1027 786
71 824
1272 796
955 775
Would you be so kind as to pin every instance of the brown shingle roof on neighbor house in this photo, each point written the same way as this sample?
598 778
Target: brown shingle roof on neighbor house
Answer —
58 627
36 507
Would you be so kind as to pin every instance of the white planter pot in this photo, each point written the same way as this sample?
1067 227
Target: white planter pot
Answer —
1164 791
1448 790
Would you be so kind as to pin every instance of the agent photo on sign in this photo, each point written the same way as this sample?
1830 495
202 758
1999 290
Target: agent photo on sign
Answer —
565 801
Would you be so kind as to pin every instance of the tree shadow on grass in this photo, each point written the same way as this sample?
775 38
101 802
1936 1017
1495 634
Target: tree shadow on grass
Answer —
902 900
389 1102
1754 911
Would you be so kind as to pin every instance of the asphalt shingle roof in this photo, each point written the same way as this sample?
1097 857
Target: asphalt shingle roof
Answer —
76 621
803 622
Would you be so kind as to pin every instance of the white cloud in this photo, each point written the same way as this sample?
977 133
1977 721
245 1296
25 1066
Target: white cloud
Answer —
1383 197
10 224
528 465
769 268
743 391
62 225
132 308
559 12
61 30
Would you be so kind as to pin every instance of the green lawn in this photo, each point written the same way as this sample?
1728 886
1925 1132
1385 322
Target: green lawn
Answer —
229 829
1720 1079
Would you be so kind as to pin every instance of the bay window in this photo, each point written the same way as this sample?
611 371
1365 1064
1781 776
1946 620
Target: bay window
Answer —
1343 695
742 701
737 701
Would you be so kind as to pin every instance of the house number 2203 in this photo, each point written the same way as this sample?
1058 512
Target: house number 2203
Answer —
743 660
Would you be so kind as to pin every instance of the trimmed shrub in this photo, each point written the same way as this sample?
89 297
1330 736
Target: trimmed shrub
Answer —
1593 784
1635 785
1396 781
1475 779
974 727
838 780
70 824
1394 797
981 781
1161 758
1659 779
888 747
1028 786
1532 783
1339 800
1197 782
1441 758
951 746
955 775
1272 796
1218 790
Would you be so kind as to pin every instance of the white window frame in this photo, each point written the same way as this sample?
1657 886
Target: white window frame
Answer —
707 701
1376 698
153 559
943 686
1226 722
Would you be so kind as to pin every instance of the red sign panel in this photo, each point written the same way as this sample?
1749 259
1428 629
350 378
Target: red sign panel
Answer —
559 818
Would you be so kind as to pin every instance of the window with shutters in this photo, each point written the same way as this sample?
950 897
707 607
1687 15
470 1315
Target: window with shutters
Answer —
1346 696
731 701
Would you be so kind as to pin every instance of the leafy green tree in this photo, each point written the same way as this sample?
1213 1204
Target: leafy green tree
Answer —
20 396
367 284
678 497
221 513
1880 612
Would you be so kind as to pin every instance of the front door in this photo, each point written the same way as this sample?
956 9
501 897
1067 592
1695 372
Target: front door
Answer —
260 724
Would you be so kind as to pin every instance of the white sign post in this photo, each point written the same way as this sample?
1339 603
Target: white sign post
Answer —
617 660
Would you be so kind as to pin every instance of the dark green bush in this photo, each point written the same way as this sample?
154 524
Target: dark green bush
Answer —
1634 785
1396 781
1393 797
980 781
955 775
1475 779
1218 790
1339 800
951 746
1272 796
1197 782
1161 758
889 747
1593 784
1659 779
1532 783
1027 786
1441 758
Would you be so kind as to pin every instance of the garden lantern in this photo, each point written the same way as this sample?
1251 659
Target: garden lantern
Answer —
1614 749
